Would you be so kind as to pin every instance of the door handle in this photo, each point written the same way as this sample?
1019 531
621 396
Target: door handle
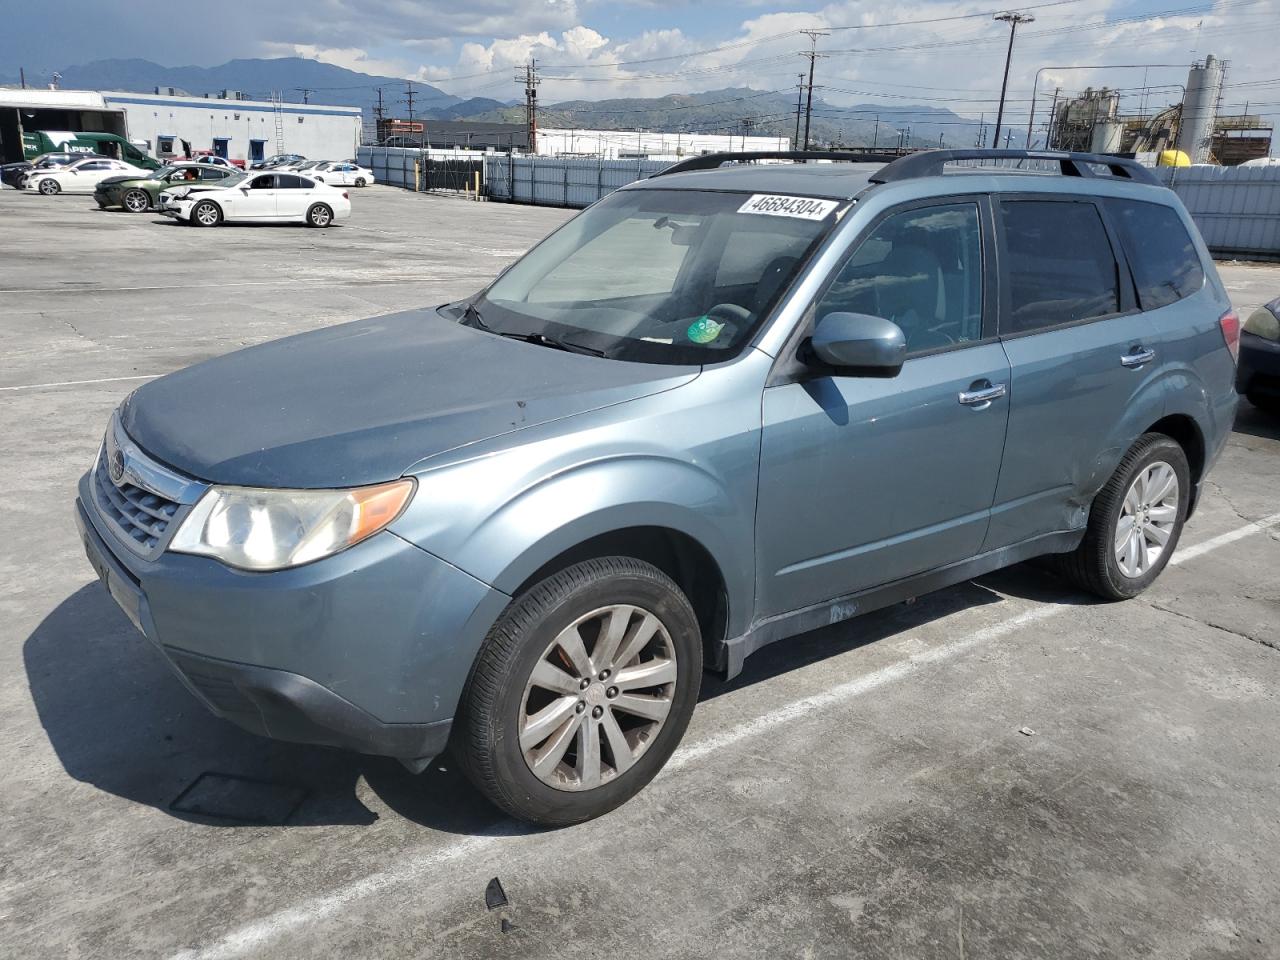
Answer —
1138 357
982 396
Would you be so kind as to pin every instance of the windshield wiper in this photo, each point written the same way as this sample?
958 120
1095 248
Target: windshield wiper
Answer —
470 312
542 340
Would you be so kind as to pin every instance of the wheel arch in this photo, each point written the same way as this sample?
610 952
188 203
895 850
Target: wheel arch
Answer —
1183 430
676 553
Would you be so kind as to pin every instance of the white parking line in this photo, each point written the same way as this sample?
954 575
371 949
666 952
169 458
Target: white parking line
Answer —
253 936
77 383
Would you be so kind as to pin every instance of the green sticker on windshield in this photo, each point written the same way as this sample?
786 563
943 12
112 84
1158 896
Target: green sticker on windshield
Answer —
704 330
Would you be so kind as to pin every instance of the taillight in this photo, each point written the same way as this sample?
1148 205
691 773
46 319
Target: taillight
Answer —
1230 324
345 197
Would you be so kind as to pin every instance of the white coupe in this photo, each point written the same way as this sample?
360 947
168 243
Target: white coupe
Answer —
79 177
257 197
342 172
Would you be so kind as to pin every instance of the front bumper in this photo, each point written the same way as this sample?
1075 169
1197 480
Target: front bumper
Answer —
1259 370
367 650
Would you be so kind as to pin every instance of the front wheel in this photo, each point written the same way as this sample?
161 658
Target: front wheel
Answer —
319 215
581 692
136 201
50 188
206 214
360 181
1135 522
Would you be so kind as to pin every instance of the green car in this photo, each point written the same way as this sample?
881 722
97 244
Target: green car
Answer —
138 194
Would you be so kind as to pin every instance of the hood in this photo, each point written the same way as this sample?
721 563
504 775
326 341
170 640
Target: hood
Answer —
110 181
360 403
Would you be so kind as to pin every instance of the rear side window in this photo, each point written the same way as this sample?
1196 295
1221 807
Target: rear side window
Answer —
1162 254
1060 265
287 181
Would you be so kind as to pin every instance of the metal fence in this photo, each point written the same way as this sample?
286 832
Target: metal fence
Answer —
428 170
1236 208
561 181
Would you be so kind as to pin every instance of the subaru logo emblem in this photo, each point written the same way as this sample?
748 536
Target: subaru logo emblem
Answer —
116 466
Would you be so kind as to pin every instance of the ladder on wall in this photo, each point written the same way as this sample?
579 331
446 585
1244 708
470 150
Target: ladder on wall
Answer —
278 107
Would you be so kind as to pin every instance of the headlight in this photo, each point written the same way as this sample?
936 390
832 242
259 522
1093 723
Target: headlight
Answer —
256 529
1264 323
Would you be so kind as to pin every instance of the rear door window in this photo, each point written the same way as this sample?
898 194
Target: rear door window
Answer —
1166 266
1059 265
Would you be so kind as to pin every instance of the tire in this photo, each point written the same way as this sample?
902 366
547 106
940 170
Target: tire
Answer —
50 188
136 201
1096 565
206 213
360 181
501 695
319 215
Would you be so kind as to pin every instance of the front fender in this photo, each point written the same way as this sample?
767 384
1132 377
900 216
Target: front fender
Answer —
686 460
505 544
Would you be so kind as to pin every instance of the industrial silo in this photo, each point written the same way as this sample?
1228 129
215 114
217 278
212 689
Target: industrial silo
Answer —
1200 109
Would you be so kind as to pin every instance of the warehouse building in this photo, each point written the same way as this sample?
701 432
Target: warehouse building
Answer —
170 125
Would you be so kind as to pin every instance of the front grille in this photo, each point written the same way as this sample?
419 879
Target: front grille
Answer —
139 515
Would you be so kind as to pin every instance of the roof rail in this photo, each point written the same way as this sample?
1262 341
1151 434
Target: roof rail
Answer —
712 160
929 163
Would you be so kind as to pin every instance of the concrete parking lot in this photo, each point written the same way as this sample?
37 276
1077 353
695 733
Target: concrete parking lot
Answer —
1004 769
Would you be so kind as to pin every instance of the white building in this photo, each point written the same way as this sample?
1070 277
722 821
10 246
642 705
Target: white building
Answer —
624 144
236 129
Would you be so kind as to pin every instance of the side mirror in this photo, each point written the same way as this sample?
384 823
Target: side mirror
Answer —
859 344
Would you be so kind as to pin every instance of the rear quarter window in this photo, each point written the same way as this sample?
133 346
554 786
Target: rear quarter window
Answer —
1161 253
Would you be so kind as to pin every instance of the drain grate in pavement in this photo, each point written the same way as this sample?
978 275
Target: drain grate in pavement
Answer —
228 796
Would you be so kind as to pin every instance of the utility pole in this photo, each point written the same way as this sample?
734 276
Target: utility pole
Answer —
812 54
306 93
1053 120
22 78
795 142
1013 19
408 99
981 140
379 119
875 137
530 78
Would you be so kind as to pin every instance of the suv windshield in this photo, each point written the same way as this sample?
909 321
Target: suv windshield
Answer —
658 276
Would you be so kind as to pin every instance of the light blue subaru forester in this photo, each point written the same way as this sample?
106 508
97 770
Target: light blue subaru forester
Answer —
723 406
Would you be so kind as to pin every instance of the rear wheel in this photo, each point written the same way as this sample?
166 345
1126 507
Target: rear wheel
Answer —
319 215
1135 522
206 213
136 201
581 692
50 187
360 181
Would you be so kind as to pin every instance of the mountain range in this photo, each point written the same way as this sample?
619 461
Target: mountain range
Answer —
732 110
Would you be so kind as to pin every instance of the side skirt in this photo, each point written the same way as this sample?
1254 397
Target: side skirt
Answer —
765 632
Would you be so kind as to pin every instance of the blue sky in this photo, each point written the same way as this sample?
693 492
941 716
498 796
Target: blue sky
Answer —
591 47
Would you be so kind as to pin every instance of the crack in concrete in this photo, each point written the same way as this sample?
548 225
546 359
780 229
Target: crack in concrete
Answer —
1227 500
1261 641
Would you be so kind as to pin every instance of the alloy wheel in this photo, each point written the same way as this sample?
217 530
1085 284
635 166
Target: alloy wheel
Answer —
50 187
1147 520
597 697
207 214
320 216
135 201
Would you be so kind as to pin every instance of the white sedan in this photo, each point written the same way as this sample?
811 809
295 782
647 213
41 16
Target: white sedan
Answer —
258 197
79 177
342 172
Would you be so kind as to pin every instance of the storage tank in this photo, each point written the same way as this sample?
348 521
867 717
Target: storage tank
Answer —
1200 109
1107 136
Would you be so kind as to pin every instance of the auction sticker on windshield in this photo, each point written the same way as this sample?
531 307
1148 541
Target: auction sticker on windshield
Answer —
806 208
